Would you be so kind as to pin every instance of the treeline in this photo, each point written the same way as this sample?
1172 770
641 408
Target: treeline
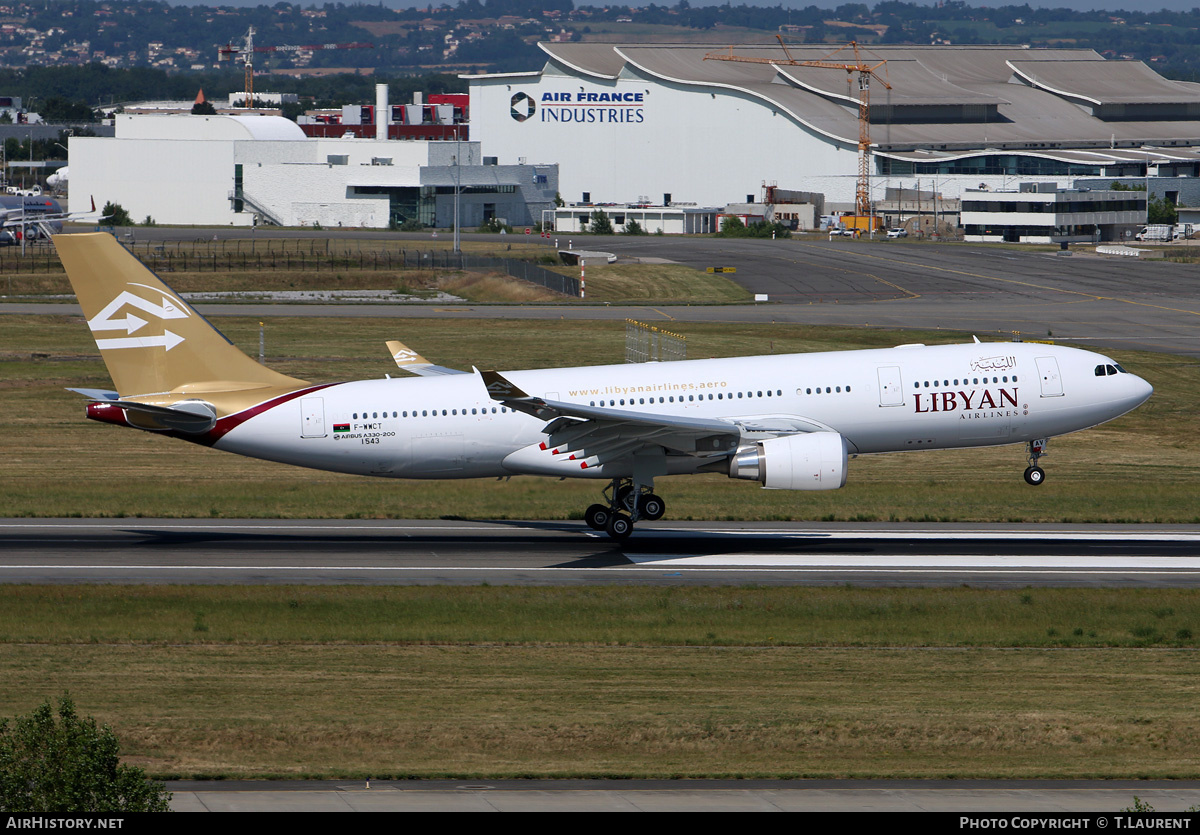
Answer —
81 93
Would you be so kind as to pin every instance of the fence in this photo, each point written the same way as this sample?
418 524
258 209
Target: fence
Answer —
302 256
646 343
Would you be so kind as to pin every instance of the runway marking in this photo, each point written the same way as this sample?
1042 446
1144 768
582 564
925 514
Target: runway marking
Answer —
931 562
640 569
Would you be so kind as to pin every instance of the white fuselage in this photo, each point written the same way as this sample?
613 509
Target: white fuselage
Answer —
889 400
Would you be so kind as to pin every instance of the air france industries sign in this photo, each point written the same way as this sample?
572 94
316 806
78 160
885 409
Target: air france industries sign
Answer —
582 107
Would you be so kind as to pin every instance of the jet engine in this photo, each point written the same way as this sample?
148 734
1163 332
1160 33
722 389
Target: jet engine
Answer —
813 461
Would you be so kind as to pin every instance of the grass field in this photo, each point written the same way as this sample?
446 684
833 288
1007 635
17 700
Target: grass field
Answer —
1143 467
614 681
618 681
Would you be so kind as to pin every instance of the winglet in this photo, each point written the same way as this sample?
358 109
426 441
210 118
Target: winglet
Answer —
406 358
409 360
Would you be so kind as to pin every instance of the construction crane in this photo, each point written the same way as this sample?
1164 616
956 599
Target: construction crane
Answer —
245 54
865 72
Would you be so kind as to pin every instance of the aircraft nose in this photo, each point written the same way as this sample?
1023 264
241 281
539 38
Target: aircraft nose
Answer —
1139 392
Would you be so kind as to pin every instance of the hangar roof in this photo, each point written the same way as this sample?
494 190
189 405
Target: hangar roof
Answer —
948 98
1115 82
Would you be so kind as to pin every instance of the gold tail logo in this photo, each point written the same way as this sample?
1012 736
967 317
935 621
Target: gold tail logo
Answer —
156 346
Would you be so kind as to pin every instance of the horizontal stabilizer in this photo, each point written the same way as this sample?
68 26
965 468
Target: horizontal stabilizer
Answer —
97 394
409 360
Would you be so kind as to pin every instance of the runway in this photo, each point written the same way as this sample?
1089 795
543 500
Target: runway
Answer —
564 553
1012 799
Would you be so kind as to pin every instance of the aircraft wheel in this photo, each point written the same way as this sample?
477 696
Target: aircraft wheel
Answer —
596 517
652 507
619 527
1034 475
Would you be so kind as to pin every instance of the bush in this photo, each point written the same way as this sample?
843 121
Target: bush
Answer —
734 228
600 224
493 226
116 215
69 765
632 227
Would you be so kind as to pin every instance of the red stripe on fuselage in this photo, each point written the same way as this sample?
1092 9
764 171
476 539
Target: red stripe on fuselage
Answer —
230 422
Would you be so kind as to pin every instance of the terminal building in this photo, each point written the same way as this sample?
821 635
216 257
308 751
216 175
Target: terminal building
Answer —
624 121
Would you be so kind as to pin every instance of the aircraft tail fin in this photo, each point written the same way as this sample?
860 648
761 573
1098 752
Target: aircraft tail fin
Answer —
152 341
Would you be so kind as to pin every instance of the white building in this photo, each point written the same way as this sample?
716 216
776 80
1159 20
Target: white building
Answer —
239 170
630 120
1043 213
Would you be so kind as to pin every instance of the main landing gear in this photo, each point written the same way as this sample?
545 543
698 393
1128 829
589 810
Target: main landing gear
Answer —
1034 474
627 502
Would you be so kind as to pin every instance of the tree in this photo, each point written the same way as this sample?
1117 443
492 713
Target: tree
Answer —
203 108
116 215
1161 210
600 224
632 227
69 765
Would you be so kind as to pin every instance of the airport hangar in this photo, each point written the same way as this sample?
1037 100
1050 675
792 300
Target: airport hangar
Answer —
239 170
660 124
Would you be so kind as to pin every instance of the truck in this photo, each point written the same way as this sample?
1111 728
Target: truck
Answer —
1159 232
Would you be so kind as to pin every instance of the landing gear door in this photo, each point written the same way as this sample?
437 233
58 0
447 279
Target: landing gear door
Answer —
312 417
890 391
1049 377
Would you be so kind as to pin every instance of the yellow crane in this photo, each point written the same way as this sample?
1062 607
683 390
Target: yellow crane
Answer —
865 72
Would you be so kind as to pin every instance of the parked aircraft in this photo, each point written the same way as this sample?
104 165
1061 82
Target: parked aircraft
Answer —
32 216
786 421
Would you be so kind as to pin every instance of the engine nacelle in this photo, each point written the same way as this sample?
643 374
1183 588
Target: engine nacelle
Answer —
813 461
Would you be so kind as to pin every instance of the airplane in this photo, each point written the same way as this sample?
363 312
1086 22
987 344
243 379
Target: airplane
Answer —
33 216
789 422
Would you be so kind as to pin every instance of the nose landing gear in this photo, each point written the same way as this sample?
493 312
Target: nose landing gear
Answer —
1034 474
627 502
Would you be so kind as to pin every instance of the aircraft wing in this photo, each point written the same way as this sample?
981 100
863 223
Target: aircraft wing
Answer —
409 360
590 431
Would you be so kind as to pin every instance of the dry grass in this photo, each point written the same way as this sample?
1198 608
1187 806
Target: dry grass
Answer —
386 711
1144 467
492 288
658 284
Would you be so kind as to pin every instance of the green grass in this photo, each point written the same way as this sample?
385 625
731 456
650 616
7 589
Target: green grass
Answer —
612 616
341 682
